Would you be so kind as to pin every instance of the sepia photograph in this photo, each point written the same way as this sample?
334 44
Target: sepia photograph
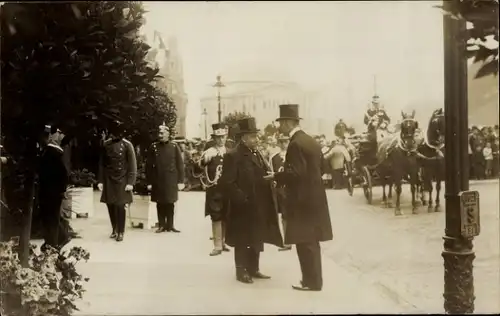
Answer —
249 157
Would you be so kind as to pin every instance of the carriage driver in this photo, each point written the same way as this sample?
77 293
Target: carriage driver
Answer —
215 203
376 111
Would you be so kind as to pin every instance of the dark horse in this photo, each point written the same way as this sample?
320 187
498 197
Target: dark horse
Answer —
398 158
431 156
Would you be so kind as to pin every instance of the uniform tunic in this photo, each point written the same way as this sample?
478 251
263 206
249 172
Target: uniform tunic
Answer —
380 113
165 170
118 167
215 203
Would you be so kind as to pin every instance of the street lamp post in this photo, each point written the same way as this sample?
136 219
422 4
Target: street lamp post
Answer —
218 84
205 122
462 206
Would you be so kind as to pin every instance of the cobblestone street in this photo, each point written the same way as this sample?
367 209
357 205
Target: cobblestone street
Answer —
377 263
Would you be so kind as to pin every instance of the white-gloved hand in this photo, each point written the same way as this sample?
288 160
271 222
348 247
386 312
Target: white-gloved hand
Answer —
100 186
129 187
150 187
180 186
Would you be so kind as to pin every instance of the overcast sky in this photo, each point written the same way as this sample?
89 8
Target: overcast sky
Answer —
329 46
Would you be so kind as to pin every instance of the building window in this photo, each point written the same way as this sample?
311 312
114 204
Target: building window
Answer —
244 107
264 105
254 108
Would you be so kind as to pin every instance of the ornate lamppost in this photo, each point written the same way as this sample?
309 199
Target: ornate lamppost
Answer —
462 206
218 84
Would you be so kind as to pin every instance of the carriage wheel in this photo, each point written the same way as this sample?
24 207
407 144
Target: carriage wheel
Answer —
367 185
349 177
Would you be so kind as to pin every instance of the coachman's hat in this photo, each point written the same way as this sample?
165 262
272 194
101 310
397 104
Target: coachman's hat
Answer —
247 126
219 129
289 112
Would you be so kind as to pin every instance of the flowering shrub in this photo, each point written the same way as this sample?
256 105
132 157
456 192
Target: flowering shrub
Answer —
47 287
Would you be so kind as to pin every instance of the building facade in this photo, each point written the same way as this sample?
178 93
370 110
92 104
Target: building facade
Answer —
167 58
259 99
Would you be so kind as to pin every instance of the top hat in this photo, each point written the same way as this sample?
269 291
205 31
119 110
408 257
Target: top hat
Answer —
219 129
247 125
375 98
289 112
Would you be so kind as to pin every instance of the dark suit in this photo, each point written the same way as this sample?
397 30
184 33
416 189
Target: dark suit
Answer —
252 218
308 218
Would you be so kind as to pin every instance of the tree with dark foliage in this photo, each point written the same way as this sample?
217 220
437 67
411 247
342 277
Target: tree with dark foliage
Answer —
483 15
79 66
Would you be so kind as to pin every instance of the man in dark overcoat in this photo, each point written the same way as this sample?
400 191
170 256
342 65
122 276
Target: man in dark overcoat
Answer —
215 203
117 176
277 163
52 181
165 175
252 218
308 217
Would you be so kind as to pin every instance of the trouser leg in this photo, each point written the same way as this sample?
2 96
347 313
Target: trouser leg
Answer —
161 211
50 210
253 258
310 264
112 216
217 232
120 218
170 215
240 257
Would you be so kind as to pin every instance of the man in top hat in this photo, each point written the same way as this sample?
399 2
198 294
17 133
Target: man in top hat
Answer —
377 111
215 203
277 163
252 218
307 213
117 176
165 175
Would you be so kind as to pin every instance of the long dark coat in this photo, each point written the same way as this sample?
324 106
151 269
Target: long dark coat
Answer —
164 171
215 202
117 168
308 217
252 218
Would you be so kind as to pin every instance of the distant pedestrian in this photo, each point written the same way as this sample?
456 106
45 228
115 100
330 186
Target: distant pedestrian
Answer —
308 217
165 177
488 158
117 176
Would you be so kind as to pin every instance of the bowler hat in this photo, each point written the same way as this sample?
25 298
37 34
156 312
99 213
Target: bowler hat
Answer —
219 129
247 125
289 112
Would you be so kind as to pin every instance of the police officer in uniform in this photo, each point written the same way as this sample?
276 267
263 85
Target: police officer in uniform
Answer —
277 163
165 175
376 110
117 176
215 203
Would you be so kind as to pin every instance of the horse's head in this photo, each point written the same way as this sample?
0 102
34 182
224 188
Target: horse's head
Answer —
408 129
435 130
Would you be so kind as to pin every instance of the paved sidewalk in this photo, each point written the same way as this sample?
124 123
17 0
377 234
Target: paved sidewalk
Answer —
170 273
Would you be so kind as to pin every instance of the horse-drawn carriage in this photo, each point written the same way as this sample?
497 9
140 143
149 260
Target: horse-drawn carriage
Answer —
363 166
